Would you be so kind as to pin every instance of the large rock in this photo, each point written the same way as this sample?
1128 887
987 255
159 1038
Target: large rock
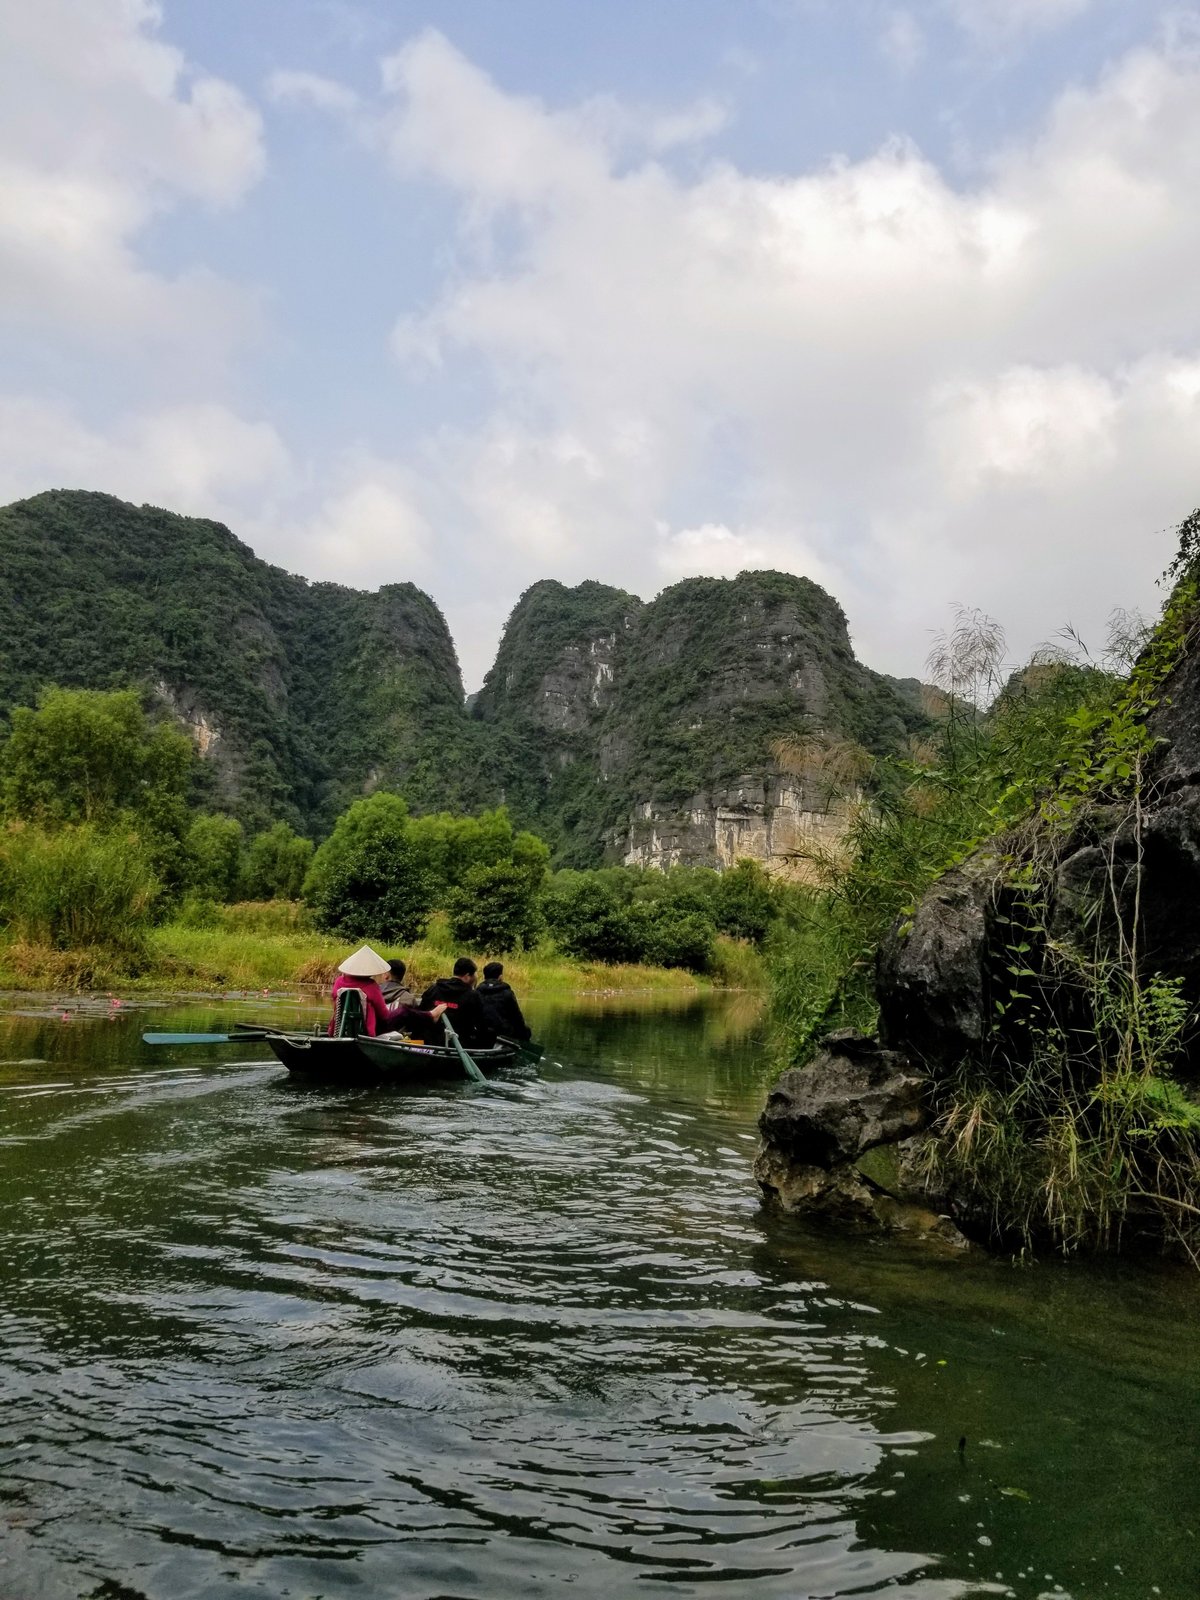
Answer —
839 1138
850 1097
932 977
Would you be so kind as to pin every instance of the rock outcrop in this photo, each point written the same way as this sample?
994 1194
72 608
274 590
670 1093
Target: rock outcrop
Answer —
1123 875
840 1136
768 816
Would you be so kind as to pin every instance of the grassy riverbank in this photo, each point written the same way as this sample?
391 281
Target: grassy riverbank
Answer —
272 946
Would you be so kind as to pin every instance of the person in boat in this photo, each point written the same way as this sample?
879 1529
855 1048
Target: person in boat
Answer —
500 1004
395 990
458 996
362 971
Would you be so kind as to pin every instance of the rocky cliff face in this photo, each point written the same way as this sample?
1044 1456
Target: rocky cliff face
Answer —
621 731
768 816
651 726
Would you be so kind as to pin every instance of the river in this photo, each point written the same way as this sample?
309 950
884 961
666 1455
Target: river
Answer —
534 1340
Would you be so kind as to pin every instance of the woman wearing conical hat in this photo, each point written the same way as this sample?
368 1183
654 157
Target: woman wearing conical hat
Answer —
362 971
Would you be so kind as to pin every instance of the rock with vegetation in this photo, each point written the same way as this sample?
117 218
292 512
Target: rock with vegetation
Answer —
838 1137
1046 989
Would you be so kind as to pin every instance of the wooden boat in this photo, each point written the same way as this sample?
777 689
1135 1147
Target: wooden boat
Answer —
361 1059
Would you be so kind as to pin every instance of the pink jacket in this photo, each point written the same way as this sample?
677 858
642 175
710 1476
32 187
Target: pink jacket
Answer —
379 1018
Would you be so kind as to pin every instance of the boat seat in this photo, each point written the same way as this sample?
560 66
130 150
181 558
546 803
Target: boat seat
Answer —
350 1018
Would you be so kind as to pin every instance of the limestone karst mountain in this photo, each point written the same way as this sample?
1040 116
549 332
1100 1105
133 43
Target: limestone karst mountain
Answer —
647 729
621 730
300 695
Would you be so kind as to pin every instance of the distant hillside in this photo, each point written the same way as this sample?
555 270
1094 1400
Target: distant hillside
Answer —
646 730
300 694
620 730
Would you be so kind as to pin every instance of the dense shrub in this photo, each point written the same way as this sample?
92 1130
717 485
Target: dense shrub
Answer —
588 920
744 902
275 865
368 896
76 887
214 850
497 908
666 935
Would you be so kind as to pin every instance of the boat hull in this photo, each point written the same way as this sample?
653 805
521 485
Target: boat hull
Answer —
318 1058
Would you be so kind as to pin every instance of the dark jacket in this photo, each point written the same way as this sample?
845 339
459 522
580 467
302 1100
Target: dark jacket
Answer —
465 1009
397 993
501 1008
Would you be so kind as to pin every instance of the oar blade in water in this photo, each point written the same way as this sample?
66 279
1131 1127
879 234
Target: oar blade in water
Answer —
526 1049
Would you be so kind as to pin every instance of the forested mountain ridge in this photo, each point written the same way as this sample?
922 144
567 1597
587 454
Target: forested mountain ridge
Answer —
299 694
614 727
647 729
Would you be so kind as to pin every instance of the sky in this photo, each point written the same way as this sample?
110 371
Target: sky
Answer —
902 297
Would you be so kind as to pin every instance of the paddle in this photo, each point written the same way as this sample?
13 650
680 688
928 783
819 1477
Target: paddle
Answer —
525 1048
204 1038
469 1067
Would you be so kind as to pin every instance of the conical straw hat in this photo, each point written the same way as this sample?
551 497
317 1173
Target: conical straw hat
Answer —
364 963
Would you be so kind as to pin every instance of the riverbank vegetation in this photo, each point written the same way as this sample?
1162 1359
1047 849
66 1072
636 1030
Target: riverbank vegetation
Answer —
110 872
1072 1121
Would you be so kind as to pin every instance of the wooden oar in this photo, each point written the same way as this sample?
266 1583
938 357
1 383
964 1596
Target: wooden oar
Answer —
469 1067
203 1038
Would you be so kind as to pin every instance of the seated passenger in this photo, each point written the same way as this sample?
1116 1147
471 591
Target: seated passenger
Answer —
395 991
361 971
500 1004
457 996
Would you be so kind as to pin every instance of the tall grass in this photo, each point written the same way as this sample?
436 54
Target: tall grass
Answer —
77 889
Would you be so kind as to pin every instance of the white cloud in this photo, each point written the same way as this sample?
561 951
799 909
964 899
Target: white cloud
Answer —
923 392
199 459
102 127
311 89
996 21
368 531
902 40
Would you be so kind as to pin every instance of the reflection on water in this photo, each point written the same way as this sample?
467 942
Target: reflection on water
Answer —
257 1339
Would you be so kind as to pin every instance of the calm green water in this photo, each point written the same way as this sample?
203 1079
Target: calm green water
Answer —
538 1340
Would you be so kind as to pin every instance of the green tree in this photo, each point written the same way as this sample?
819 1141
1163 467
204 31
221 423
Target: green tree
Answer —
382 817
743 902
452 846
667 935
214 850
275 864
588 920
89 756
497 908
368 880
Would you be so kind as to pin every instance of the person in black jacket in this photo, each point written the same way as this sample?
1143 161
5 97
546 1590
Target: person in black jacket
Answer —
500 1004
463 1005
